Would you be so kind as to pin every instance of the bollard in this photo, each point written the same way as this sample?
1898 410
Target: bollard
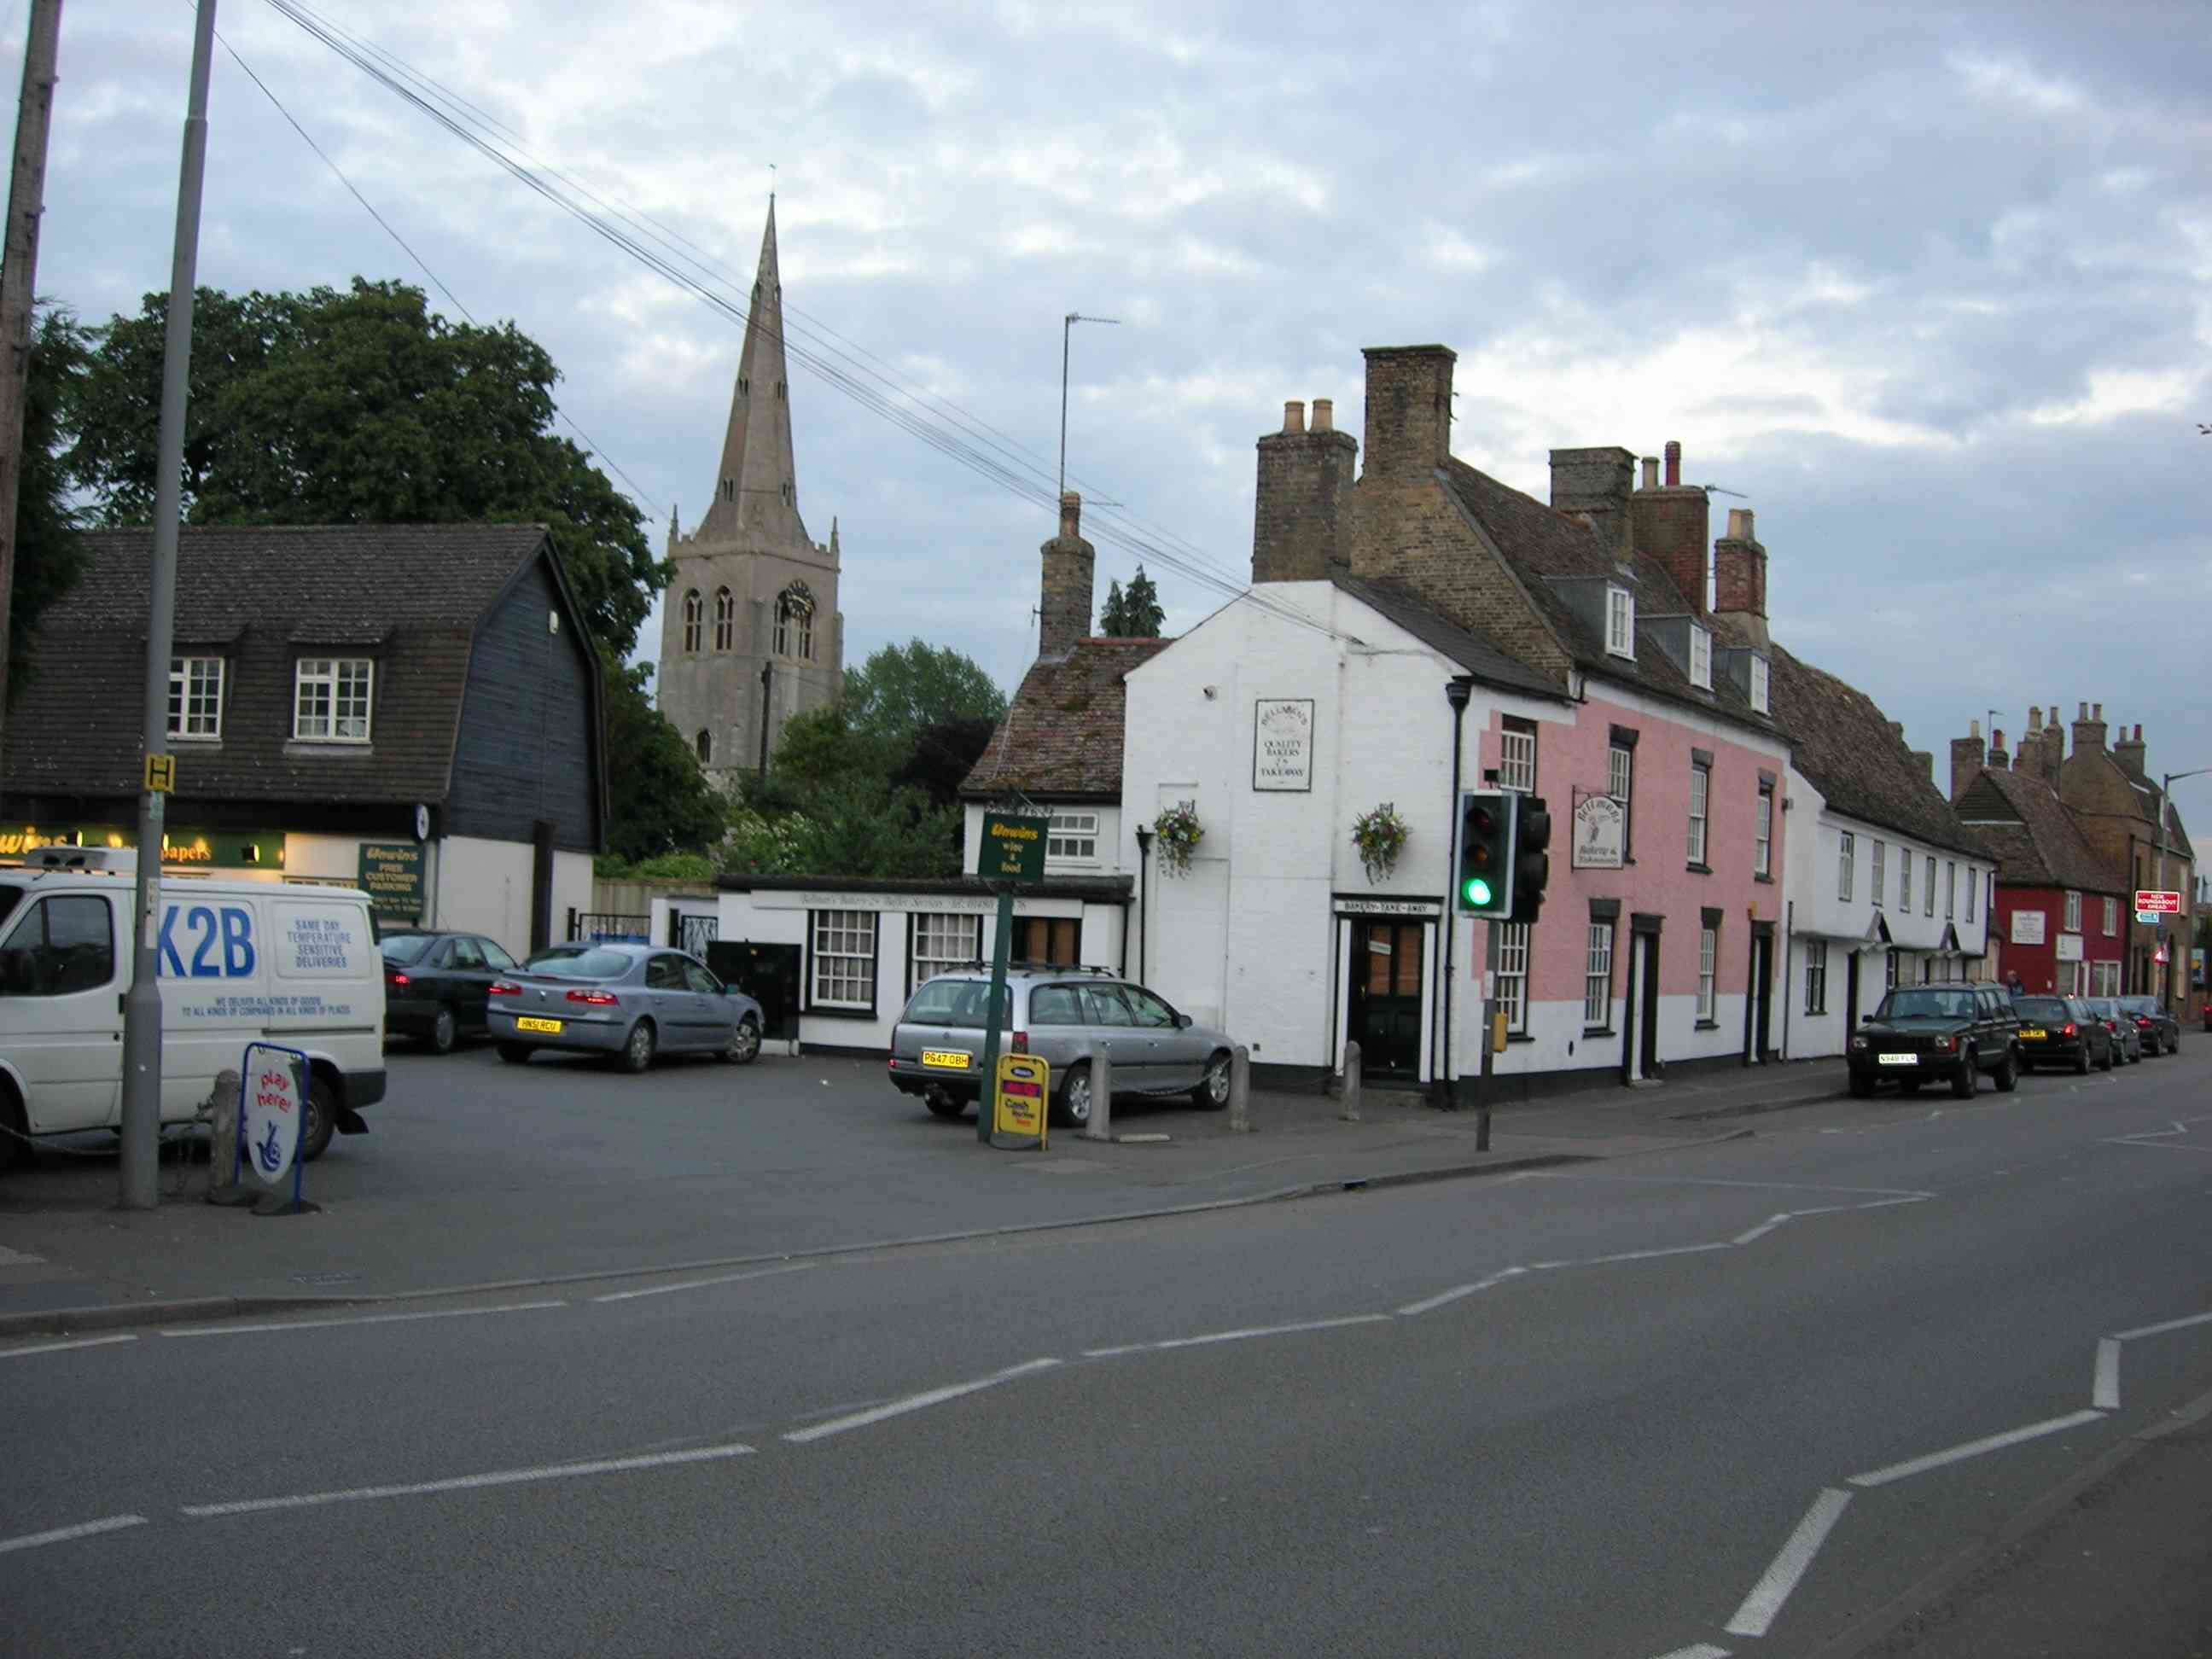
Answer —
1101 1127
1240 1090
1349 1090
223 1185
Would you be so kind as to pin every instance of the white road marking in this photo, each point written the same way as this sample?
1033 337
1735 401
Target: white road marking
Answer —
1700 1650
2105 1393
1212 1337
63 1535
470 1482
702 1284
2149 1139
1648 1256
2161 1330
364 1319
1762 1230
58 1347
914 1402
1765 1602
1975 1448
1431 1303
17 1258
1707 1180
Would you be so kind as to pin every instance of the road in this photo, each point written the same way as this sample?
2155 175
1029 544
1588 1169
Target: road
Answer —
1721 1400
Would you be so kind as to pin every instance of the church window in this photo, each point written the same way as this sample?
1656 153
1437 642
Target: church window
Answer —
794 623
726 620
745 386
705 744
782 388
693 611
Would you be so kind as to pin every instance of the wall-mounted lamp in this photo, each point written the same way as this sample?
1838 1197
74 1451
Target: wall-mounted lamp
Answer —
1211 691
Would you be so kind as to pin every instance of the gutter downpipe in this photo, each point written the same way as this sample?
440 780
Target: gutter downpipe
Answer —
1143 908
1788 948
1457 690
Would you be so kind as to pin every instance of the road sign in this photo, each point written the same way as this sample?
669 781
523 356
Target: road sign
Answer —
1012 848
2158 955
272 1095
161 774
2157 903
2147 917
1023 1086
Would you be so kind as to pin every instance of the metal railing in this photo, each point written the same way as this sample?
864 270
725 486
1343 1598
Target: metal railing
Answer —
695 933
602 927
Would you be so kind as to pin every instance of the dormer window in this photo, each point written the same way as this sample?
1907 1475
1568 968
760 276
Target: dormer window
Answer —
1758 699
1701 658
1620 622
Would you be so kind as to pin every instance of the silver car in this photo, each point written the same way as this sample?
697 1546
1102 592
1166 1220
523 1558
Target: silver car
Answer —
631 1001
1064 1016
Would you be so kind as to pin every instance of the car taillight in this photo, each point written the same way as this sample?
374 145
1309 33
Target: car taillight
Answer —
2143 1020
2067 1029
502 988
395 977
595 999
1021 1042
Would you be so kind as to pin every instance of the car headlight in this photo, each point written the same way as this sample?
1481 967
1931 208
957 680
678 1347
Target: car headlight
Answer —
1943 1045
1858 1043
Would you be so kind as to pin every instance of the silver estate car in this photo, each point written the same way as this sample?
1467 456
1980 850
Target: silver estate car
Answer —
627 1001
1064 1016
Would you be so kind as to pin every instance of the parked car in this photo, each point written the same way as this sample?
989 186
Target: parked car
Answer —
630 1002
1921 1033
2061 1031
2127 1040
437 985
1064 1016
2161 1031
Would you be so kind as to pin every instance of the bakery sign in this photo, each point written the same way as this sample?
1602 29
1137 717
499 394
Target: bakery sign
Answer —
1600 833
1282 744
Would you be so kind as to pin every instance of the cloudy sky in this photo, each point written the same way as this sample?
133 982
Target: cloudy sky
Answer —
1930 287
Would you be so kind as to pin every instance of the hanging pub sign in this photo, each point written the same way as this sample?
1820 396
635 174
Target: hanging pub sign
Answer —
1282 744
1600 833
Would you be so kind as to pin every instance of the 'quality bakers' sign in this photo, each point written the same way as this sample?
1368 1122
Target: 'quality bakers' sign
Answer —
1282 744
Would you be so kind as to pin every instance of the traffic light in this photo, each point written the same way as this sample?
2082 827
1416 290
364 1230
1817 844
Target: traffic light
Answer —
1484 887
1532 864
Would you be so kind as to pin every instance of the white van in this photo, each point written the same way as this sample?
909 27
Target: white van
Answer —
238 962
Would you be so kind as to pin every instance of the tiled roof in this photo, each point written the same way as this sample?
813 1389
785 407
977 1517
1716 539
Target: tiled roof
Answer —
1841 742
2037 842
1539 542
1062 733
1477 655
409 595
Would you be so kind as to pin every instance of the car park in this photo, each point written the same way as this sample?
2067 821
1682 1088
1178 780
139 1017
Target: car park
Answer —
437 985
2161 1031
2127 1040
630 1003
1937 1033
2061 1031
1065 1016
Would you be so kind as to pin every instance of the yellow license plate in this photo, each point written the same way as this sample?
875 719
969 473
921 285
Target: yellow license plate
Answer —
525 1023
945 1060
2037 1035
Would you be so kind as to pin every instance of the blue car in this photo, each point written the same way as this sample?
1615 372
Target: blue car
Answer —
631 1003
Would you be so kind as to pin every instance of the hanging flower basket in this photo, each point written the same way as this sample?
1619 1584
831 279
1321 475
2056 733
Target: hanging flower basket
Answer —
1380 835
1179 833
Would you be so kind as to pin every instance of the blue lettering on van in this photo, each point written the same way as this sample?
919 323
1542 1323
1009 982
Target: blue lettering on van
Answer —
231 928
237 942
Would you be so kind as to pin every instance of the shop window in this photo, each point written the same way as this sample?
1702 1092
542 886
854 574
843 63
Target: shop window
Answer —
943 943
844 959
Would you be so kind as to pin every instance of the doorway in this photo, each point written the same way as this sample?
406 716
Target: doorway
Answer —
1386 976
1762 990
1639 1035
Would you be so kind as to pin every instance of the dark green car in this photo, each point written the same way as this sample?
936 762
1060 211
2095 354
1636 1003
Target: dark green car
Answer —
1930 1033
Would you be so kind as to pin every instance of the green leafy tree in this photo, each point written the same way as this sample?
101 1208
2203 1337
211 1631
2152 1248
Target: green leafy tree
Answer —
671 807
50 556
1134 613
902 689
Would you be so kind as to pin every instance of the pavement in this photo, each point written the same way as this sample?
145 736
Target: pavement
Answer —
698 1166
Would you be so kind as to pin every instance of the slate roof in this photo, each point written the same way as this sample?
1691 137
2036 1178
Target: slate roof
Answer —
1061 737
1841 742
1477 655
2035 838
1539 542
409 596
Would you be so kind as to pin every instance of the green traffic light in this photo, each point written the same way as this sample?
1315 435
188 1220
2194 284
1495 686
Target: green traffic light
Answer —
1478 891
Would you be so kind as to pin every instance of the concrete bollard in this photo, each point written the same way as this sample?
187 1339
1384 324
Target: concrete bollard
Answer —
224 1184
1348 1092
1101 1127
1240 1089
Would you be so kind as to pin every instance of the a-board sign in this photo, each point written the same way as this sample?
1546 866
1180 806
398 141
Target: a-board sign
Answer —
272 1095
1012 848
1022 1087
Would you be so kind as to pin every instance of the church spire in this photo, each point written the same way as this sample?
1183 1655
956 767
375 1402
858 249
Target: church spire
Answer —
756 491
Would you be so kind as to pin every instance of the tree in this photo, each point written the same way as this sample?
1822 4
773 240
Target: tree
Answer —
50 556
661 802
1134 614
360 407
902 689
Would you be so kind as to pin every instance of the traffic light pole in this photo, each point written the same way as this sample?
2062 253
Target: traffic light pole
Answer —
1488 1046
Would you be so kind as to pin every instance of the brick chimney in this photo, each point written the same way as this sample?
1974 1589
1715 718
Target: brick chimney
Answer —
2089 730
1409 414
1671 525
2128 751
1064 612
1966 759
1740 576
2049 764
1599 483
1999 760
1305 480
1927 759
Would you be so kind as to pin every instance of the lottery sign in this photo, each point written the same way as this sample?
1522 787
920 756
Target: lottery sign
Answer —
272 1095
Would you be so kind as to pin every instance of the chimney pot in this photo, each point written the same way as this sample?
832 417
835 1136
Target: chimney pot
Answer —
1973 728
2083 713
1294 415
1674 464
1651 473
2096 711
2138 731
1070 515
1324 415
1996 737
1739 524
2035 719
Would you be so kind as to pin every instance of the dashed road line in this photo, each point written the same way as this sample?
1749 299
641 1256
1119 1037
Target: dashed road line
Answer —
1244 1335
1762 1230
363 1319
1430 1304
2161 1329
702 1284
1698 1650
1652 1255
469 1482
1975 1448
914 1402
63 1535
2104 1392
1765 1602
62 1347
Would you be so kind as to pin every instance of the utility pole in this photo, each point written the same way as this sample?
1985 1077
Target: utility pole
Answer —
138 1177
19 277
1067 327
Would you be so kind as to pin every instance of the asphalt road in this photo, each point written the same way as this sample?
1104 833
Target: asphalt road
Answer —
1724 1400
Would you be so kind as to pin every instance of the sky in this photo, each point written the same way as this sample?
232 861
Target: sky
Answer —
1929 288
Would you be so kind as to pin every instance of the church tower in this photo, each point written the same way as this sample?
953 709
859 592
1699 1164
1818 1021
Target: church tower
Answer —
751 634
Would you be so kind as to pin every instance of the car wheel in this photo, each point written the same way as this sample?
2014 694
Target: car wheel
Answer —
2108 1062
744 1044
637 1048
445 1031
1860 1087
514 1054
14 1130
1908 1085
1075 1096
1964 1080
941 1104
2007 1073
1212 1090
319 1121
2081 1059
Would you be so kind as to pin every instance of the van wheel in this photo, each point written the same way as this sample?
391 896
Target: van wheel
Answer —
15 1131
321 1118
445 1031
514 1054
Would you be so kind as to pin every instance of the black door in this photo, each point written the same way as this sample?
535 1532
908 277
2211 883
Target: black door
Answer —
1850 994
1648 1031
1762 964
1385 976
767 973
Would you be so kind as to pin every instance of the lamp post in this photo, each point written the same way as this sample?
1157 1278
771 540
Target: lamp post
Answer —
2165 804
1144 912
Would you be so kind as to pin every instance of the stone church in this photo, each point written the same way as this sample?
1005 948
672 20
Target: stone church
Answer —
751 634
